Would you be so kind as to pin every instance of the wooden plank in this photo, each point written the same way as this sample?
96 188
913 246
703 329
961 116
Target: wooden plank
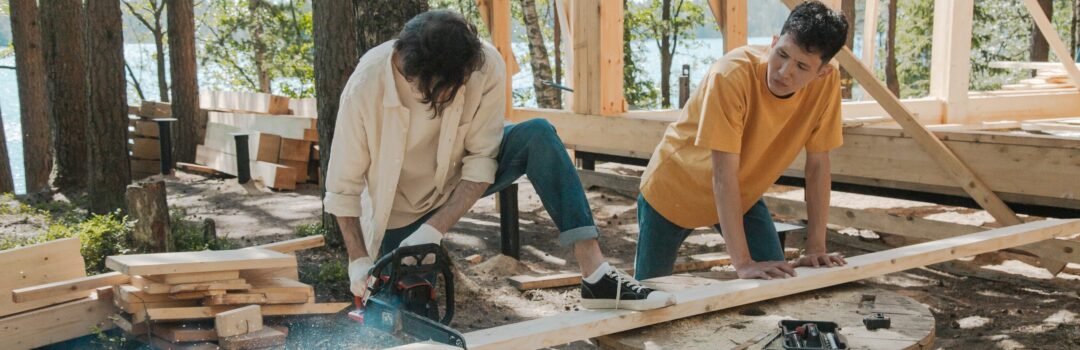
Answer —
238 321
256 275
146 128
292 245
39 264
950 68
685 264
266 337
908 226
580 325
300 168
162 344
1028 65
203 261
197 294
204 312
731 18
145 148
59 322
149 287
155 109
585 78
311 134
257 298
194 277
249 102
195 168
1054 40
128 293
261 146
272 175
122 321
143 166
281 125
61 288
138 310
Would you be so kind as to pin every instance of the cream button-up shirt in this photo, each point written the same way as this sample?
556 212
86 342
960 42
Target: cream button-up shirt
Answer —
370 140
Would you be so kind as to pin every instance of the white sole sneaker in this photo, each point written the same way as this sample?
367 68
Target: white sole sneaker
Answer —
636 305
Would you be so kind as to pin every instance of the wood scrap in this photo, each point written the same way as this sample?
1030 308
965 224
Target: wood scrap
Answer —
196 168
194 277
263 338
272 175
145 148
238 321
292 245
204 312
60 322
185 332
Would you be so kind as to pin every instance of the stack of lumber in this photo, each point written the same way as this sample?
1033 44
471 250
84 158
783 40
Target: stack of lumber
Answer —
144 138
213 298
46 297
1048 75
280 146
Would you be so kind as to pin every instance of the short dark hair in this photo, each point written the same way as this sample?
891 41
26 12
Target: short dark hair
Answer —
439 50
817 29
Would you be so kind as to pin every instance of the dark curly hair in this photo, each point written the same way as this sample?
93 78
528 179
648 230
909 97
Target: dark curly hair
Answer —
817 29
438 51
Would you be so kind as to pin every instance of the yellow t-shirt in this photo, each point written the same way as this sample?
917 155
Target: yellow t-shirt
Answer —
733 111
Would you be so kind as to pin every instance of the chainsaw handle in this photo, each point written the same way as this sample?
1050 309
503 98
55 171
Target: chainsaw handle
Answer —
418 252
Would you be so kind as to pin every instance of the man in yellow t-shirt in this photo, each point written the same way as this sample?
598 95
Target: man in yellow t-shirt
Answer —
749 118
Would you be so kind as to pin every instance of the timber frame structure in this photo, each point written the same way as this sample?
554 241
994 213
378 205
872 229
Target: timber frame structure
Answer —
949 147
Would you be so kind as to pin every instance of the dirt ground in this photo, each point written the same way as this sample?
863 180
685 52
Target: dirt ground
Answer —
1006 304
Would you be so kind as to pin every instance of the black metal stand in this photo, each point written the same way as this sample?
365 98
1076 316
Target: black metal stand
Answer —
243 167
165 143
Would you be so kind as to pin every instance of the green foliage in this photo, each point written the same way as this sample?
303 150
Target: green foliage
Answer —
312 229
646 21
238 29
333 275
100 235
640 93
188 235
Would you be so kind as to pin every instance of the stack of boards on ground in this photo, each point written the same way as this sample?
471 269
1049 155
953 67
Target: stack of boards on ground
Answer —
282 137
144 138
169 300
190 299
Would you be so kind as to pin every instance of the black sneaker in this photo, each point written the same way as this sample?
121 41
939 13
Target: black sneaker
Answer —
617 290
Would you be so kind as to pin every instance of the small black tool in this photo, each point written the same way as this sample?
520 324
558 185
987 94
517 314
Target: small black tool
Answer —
876 320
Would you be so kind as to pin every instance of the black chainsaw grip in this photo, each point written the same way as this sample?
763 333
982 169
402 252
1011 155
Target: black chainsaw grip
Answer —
418 252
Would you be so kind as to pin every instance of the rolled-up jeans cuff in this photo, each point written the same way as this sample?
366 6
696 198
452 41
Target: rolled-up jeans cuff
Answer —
568 238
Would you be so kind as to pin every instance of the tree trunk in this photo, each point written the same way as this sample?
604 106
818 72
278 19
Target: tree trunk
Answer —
665 57
546 96
260 49
63 34
7 184
163 82
335 59
891 80
185 84
33 110
110 168
148 209
382 20
848 6
1040 49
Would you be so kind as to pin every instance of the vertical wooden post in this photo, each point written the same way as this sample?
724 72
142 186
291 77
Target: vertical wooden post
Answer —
147 207
612 100
496 15
731 17
950 68
562 15
869 37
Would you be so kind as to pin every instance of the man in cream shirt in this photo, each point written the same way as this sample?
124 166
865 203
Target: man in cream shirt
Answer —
420 138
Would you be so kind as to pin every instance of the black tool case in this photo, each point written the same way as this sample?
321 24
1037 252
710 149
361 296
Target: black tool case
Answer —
788 326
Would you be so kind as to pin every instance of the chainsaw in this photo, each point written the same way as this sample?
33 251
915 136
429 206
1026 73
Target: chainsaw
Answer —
401 296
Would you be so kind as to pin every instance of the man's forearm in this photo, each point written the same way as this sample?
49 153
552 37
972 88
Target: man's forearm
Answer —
818 187
727 196
465 195
353 237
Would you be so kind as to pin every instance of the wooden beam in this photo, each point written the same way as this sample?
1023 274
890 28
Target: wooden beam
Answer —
39 264
272 175
869 37
268 337
610 51
908 226
60 288
950 68
202 261
496 15
59 322
585 53
1029 65
195 277
579 325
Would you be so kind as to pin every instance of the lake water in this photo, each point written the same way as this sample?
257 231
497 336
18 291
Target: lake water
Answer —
699 55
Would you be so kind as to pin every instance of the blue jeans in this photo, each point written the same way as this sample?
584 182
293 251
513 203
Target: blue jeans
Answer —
659 240
532 148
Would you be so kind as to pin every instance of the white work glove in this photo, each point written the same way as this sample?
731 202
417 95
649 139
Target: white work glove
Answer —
358 275
423 235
